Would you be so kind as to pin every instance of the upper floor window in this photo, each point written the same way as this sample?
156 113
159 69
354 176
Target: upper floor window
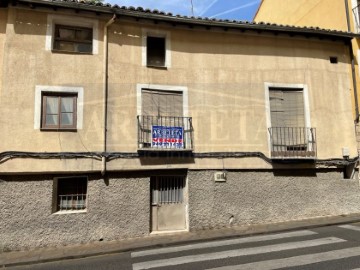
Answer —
290 132
59 111
156 51
73 39
356 14
156 48
58 107
72 34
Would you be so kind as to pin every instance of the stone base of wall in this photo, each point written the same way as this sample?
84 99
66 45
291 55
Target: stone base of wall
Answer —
264 197
119 206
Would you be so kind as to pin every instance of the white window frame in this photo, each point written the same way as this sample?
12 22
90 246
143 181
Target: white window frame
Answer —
156 33
71 21
39 89
167 88
55 197
304 88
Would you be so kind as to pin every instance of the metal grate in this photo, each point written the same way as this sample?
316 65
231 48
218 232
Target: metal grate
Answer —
356 13
167 189
293 142
72 202
146 139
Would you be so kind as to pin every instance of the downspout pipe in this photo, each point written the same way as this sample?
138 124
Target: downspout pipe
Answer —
105 92
352 64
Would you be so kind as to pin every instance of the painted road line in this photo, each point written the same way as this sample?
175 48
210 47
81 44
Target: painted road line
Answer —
296 261
236 253
215 244
350 227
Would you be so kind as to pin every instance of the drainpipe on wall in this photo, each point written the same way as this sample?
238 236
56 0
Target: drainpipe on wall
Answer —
352 64
105 92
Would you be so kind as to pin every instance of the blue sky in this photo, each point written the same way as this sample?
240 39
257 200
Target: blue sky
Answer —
220 9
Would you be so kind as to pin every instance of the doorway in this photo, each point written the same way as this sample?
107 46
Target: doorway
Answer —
168 207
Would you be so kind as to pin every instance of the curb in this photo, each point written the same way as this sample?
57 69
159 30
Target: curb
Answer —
193 237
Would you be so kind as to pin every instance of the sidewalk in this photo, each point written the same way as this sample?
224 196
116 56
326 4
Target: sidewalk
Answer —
41 255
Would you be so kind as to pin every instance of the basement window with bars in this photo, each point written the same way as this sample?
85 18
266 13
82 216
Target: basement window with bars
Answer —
70 194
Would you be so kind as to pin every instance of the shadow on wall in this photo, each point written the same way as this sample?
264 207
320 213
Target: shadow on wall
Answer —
165 158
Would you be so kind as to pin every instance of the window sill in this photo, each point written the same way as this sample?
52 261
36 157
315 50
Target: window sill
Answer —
66 212
59 129
71 52
157 67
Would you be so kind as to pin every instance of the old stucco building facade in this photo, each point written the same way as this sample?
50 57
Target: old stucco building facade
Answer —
118 123
343 15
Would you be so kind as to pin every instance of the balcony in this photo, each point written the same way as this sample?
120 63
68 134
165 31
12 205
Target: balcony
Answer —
293 143
165 133
356 13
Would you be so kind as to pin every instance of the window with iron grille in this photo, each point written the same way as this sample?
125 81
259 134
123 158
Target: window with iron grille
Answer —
167 189
70 194
59 111
73 39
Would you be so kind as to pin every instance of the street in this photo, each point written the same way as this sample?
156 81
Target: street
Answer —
332 247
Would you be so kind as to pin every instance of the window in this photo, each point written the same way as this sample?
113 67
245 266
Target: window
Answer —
73 39
290 132
156 51
163 121
76 93
167 189
287 107
70 194
162 103
333 60
156 48
72 34
59 111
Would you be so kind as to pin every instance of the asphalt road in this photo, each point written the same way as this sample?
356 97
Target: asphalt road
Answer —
330 248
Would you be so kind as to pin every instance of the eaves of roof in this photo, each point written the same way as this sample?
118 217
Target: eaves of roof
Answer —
157 15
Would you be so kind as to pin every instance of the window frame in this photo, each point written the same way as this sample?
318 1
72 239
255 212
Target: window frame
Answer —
44 95
269 86
55 197
58 26
76 22
40 89
156 34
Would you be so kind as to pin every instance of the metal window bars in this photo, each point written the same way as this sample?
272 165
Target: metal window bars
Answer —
168 129
167 189
293 142
356 12
71 202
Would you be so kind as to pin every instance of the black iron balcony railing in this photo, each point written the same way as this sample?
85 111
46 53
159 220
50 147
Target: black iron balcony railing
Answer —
293 142
356 13
165 133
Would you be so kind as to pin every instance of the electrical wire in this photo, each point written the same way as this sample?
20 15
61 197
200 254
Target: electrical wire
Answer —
5 156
